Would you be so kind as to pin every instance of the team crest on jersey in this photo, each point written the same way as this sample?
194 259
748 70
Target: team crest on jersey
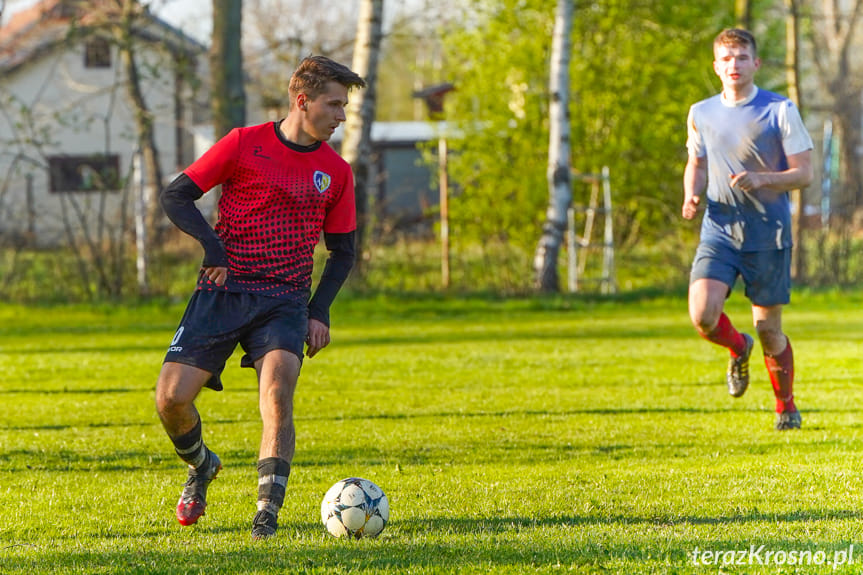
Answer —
322 181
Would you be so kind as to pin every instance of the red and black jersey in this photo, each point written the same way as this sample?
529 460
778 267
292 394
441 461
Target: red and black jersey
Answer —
276 199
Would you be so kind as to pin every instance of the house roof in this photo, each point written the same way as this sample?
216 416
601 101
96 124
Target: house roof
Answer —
40 28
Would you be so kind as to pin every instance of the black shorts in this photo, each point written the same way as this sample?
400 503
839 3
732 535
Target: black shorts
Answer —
216 321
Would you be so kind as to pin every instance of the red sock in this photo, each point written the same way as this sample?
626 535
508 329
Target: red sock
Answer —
781 370
725 335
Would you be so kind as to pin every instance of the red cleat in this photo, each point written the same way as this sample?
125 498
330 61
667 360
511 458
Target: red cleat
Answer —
193 501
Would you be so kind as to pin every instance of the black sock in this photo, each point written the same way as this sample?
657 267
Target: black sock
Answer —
190 447
272 479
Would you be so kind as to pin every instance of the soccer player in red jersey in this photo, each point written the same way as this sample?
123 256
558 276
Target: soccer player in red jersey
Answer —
747 147
282 185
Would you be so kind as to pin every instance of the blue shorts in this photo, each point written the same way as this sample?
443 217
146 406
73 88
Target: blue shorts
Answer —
216 321
766 274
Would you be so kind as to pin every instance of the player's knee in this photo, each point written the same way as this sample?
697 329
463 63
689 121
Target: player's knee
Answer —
279 396
169 399
703 321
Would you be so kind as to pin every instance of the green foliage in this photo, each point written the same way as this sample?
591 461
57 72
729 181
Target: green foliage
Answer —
636 68
408 55
500 104
59 276
520 436
832 258
498 268
414 266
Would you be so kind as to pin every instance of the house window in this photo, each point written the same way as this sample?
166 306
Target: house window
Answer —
97 53
94 173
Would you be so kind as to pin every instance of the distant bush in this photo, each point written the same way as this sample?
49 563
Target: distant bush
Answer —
412 265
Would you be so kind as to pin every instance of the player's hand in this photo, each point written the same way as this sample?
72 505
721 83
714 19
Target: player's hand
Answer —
690 207
318 337
217 275
747 181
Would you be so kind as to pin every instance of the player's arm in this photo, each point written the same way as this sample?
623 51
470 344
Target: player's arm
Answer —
798 175
178 201
695 173
797 145
694 182
342 248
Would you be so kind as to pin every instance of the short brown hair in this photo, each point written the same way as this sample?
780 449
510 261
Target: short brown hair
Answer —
314 72
736 37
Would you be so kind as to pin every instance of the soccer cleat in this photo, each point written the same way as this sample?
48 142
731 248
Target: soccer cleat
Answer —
788 420
737 376
193 501
264 525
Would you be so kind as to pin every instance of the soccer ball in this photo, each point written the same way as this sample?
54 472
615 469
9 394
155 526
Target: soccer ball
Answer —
355 508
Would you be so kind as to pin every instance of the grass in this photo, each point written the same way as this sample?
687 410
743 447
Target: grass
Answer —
511 436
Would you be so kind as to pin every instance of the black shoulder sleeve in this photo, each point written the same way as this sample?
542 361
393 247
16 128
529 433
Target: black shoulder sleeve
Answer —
342 249
178 201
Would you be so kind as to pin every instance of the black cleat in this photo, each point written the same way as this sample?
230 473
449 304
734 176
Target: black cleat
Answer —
737 376
264 525
788 420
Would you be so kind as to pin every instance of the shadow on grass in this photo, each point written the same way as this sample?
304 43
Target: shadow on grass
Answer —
451 415
507 333
622 411
85 391
97 348
463 526
517 544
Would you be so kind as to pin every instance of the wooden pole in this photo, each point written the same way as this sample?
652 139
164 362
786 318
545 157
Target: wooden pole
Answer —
444 212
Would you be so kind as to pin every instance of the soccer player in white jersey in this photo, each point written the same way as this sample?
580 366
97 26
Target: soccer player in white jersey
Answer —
747 148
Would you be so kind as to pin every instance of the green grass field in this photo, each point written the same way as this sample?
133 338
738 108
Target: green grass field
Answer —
526 436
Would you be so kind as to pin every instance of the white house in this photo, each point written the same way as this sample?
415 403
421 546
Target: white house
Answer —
68 134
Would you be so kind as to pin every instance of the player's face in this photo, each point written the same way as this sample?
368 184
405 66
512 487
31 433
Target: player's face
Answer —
326 112
735 65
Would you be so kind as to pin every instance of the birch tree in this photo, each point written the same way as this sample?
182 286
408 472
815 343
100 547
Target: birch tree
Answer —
356 146
559 161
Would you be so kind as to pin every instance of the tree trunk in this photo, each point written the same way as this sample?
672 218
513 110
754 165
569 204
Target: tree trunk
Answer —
848 118
144 124
792 77
228 94
357 143
743 14
226 67
559 152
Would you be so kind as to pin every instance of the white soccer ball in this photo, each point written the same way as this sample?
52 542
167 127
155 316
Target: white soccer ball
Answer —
355 508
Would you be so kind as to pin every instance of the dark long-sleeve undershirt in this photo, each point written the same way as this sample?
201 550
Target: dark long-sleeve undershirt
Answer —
342 248
178 201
